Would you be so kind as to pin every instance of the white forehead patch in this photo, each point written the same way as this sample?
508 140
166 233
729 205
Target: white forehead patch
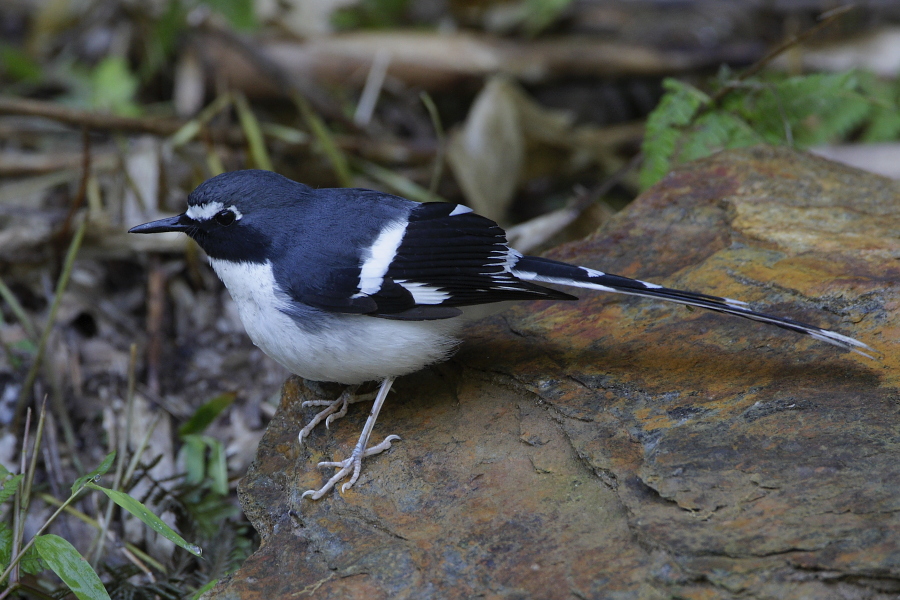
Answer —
205 212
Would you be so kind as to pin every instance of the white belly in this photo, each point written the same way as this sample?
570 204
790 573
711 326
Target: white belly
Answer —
335 347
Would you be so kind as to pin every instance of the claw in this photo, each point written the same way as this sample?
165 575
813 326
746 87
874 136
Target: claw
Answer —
346 466
353 464
332 406
337 415
306 403
335 409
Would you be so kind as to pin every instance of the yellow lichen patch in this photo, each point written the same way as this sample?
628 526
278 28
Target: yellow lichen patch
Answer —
825 229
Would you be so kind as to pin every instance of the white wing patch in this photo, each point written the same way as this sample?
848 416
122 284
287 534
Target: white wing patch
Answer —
378 258
423 293
460 210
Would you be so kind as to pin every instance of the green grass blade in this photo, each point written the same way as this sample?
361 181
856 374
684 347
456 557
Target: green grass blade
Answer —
254 135
193 127
71 567
326 141
206 414
140 511
204 589
98 472
218 466
438 171
17 310
61 284
400 184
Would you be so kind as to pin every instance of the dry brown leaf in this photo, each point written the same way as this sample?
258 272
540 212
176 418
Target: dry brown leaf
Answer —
486 155
190 84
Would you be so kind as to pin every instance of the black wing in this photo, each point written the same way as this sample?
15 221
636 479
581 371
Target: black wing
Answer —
448 257
451 257
319 263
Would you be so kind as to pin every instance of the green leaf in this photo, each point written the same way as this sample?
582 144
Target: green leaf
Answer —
239 13
218 466
193 455
210 585
206 414
253 133
884 124
71 567
18 66
397 182
370 14
113 87
713 132
326 141
24 346
162 41
807 110
97 473
540 14
677 108
6 540
31 561
140 511
770 108
209 511
10 486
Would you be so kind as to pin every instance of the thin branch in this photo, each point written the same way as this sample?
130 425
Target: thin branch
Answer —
89 119
827 19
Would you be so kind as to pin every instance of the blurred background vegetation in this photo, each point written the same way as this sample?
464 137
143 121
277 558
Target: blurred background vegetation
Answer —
545 115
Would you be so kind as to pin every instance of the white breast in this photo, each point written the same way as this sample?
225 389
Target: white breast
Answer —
331 347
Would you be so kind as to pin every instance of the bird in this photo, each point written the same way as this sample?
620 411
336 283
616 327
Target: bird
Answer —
353 285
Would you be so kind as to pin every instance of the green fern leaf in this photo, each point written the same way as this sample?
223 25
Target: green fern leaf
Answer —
808 110
677 108
713 132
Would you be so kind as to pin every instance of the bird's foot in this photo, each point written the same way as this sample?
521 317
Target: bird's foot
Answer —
353 465
335 409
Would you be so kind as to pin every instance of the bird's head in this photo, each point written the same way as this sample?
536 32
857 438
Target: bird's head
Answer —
233 216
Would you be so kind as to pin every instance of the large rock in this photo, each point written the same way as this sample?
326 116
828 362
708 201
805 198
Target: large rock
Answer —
623 448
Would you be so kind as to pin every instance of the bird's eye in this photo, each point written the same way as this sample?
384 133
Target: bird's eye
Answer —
224 218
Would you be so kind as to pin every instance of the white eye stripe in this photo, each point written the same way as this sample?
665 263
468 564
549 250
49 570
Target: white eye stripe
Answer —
205 212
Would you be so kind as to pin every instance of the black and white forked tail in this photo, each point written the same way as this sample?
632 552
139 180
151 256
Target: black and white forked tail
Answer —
532 268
